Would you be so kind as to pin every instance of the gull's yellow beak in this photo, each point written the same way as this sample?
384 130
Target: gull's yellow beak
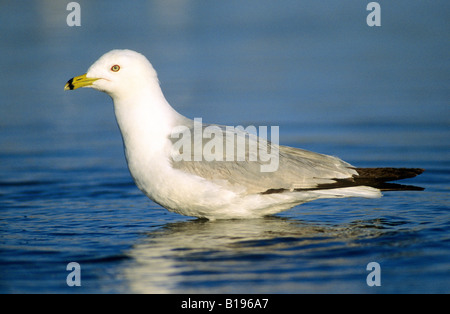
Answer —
79 81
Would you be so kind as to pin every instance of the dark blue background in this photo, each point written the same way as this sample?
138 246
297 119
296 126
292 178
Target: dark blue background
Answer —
374 96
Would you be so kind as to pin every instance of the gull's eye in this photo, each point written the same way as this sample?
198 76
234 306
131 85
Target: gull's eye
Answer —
115 68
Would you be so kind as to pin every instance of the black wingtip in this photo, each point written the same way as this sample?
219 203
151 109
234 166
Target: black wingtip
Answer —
374 177
387 174
379 178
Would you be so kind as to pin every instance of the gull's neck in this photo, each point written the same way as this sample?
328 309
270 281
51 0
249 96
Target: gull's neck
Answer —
145 119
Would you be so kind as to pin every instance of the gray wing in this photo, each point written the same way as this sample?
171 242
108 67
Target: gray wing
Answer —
217 153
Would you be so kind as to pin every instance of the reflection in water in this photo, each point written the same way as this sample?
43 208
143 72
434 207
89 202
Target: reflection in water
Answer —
236 256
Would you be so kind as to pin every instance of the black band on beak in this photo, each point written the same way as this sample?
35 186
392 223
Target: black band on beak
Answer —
69 82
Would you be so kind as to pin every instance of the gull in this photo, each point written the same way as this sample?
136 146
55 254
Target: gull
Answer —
210 187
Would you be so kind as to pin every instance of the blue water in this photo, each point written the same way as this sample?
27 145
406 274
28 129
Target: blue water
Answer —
374 96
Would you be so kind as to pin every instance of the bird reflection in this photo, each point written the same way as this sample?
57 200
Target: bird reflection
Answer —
194 255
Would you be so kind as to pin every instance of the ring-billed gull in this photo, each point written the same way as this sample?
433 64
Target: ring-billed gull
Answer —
204 185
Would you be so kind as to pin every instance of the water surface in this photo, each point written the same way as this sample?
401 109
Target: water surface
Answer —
372 96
